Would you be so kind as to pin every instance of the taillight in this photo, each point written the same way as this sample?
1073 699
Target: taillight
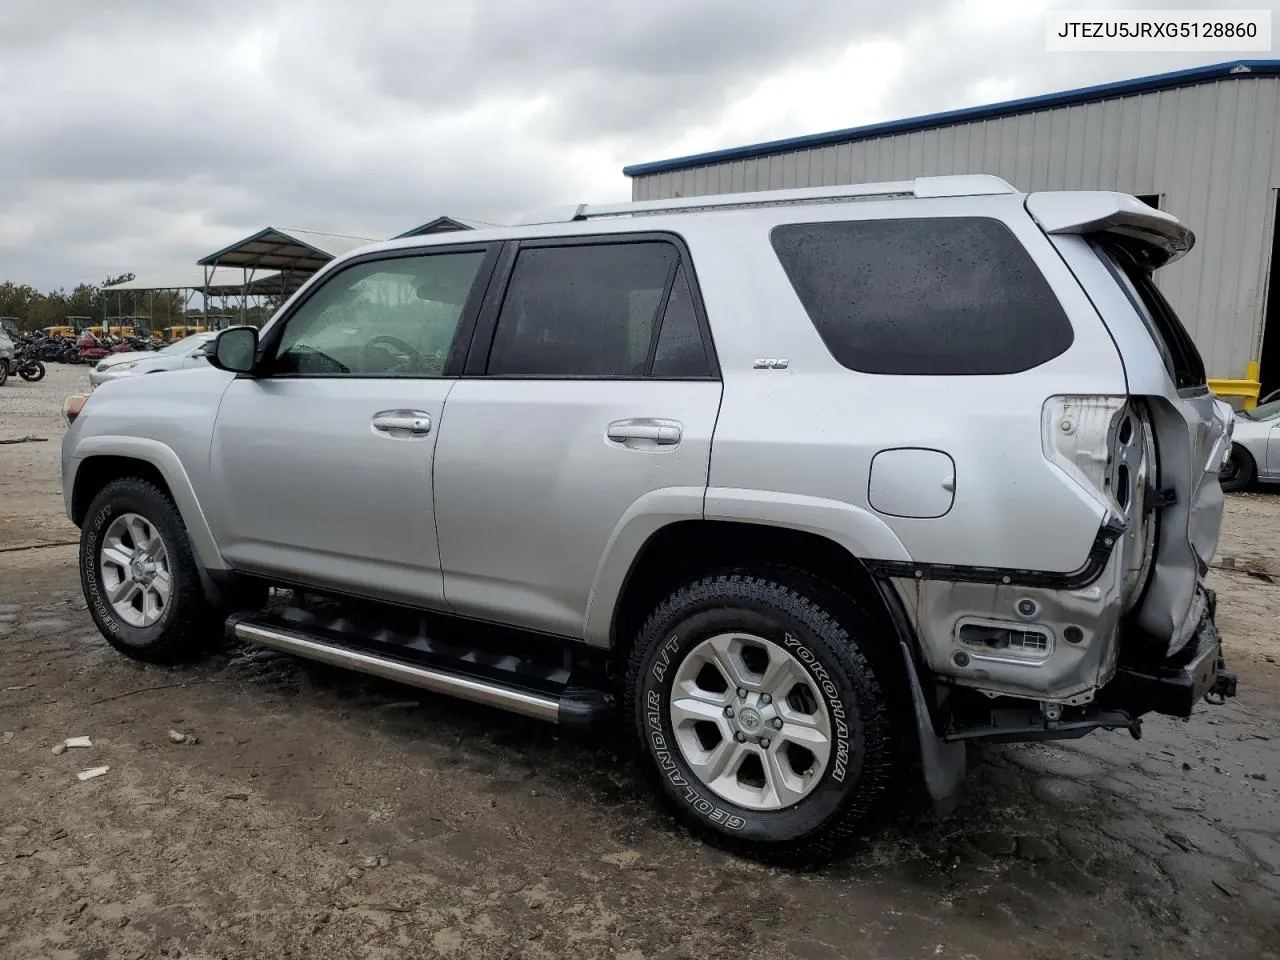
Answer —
1079 434
71 409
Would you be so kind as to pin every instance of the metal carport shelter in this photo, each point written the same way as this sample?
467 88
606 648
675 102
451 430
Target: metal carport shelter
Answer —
443 225
218 282
293 255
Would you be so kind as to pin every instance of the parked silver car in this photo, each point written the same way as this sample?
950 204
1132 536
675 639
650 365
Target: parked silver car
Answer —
820 485
1255 447
180 355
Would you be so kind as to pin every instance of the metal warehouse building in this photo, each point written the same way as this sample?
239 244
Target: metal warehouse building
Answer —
1203 144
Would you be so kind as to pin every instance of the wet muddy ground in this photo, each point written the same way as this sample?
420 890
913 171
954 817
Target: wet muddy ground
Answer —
324 814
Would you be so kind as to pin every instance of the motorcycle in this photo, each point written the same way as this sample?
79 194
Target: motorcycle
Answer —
50 349
133 345
89 349
26 365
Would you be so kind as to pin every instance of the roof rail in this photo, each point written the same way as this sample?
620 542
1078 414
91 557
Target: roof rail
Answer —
959 185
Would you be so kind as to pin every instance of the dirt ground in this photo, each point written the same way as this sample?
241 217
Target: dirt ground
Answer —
324 814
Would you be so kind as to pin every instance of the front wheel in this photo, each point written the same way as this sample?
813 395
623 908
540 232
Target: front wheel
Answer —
4 371
762 716
139 575
1239 470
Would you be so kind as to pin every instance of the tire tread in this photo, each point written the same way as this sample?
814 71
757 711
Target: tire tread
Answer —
792 593
193 624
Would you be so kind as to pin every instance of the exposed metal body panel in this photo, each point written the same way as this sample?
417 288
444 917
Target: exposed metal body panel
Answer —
1209 151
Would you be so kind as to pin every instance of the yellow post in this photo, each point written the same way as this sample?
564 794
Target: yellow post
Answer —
1246 390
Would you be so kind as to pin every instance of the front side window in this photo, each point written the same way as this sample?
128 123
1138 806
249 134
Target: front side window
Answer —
384 318
954 296
599 310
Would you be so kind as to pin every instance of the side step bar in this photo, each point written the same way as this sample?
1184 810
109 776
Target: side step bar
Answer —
574 706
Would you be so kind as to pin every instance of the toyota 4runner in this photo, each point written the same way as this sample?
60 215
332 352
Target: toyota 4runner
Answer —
809 488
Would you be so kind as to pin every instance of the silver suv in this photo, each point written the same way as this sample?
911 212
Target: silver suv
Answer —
809 488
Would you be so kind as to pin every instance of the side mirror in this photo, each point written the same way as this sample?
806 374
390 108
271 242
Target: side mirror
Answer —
234 350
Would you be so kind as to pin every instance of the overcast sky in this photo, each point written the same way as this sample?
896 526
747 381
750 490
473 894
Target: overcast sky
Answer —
144 136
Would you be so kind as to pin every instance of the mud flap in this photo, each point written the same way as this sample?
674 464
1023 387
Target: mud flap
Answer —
943 763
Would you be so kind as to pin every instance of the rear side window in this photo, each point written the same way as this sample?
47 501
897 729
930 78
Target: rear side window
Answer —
599 310
947 296
1181 357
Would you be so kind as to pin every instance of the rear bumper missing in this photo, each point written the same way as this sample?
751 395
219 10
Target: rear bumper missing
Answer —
1174 686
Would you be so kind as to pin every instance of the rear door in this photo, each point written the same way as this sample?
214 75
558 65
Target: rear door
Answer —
1114 244
586 413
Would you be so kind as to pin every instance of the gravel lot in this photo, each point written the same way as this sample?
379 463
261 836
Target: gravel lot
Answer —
323 814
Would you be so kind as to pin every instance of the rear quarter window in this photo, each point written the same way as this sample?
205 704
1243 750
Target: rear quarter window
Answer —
1178 351
945 296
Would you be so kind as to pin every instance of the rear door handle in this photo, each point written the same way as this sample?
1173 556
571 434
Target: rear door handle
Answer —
407 421
663 433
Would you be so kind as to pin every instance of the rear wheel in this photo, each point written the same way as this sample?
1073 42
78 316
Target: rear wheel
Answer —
1239 470
32 371
762 716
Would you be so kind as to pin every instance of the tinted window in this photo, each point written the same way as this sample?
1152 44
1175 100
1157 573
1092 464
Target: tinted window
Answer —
582 310
944 296
390 318
1181 357
680 351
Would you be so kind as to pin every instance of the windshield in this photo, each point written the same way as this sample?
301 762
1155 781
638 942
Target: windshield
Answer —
1264 411
184 346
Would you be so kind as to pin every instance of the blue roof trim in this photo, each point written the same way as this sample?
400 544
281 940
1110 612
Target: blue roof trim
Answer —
1102 91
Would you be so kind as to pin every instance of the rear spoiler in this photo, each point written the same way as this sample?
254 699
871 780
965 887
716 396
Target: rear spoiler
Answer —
1159 237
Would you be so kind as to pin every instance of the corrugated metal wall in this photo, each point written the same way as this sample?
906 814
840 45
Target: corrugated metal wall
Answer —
1210 151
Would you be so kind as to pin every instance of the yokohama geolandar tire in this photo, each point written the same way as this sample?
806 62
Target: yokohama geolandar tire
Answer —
139 576
761 715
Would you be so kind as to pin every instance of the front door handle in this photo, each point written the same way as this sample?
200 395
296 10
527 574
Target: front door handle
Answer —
662 433
417 422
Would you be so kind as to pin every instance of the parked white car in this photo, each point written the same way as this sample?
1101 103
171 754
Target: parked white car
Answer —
1255 448
187 352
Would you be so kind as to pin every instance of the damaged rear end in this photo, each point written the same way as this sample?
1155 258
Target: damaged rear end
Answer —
1132 631
1176 433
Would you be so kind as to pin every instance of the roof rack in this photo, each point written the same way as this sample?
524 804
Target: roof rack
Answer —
959 185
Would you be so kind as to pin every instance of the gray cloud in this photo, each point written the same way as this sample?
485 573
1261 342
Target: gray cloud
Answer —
142 134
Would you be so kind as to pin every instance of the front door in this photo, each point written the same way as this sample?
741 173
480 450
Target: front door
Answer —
593 402
320 468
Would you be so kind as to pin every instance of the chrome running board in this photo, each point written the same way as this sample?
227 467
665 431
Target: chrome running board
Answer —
529 704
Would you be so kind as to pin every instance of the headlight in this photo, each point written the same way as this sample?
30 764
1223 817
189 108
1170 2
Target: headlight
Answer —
121 367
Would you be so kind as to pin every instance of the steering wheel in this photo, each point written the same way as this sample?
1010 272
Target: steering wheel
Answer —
411 363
